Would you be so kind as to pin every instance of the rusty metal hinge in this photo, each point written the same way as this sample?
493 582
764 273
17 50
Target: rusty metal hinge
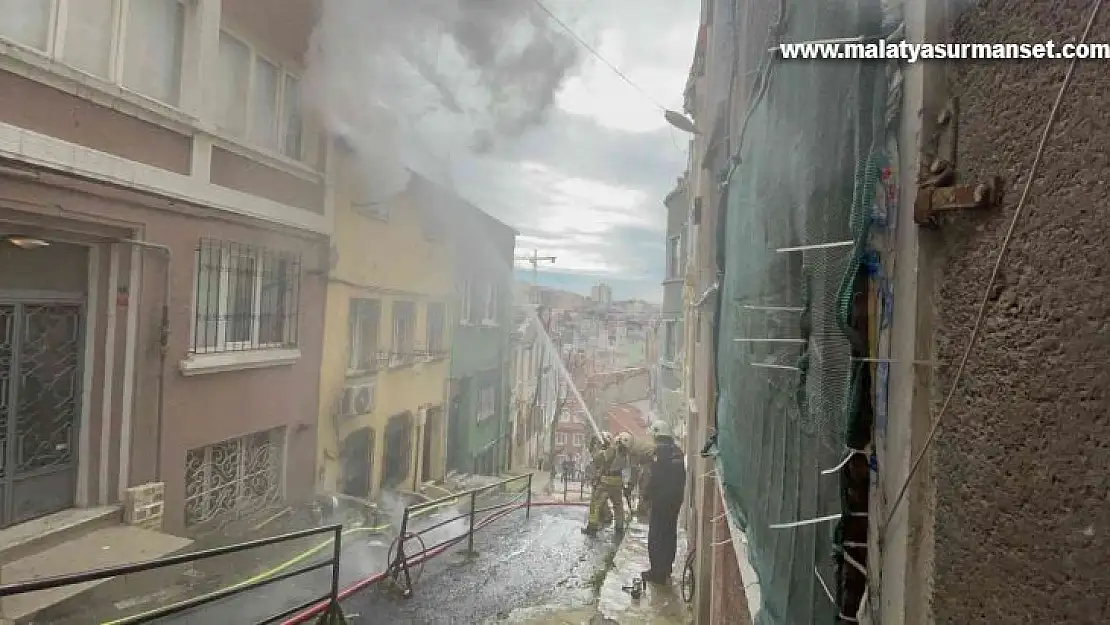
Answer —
933 200
937 189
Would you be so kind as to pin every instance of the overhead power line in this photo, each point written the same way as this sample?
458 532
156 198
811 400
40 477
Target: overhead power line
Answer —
597 55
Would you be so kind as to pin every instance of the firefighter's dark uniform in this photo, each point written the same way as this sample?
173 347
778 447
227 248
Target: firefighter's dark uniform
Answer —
665 488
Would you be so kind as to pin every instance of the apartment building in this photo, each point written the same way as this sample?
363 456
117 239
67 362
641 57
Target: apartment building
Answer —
524 407
387 339
479 424
712 104
670 405
164 210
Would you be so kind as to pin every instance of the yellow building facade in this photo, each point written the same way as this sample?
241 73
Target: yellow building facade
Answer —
387 338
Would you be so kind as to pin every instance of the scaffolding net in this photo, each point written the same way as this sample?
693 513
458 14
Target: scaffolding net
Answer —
798 201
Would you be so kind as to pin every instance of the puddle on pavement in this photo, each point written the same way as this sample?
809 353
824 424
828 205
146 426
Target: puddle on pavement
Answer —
659 605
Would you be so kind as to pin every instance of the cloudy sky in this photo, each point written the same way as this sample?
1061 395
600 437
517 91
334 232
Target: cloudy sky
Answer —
589 182
493 99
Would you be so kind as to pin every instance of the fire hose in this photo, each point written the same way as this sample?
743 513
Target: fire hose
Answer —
423 556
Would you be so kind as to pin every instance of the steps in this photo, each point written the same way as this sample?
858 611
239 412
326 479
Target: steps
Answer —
71 542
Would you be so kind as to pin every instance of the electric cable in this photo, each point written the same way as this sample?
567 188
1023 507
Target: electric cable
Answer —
597 55
985 301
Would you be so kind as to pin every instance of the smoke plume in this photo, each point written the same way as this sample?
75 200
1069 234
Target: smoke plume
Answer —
412 84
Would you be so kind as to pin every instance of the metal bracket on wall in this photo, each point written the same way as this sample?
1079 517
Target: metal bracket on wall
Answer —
937 189
932 201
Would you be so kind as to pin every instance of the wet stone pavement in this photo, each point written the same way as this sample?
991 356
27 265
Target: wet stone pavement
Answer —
519 563
659 605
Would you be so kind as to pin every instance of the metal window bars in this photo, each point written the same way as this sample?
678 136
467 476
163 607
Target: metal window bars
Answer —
234 478
246 298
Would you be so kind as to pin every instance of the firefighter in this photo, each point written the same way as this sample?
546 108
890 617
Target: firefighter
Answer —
643 455
595 447
665 489
611 461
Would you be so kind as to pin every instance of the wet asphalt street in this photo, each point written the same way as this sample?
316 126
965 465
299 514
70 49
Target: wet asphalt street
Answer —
520 563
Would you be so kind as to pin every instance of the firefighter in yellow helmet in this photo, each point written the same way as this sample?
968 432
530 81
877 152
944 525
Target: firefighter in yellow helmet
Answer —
610 463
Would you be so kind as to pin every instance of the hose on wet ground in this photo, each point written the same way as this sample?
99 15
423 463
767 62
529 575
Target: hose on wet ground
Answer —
423 557
284 566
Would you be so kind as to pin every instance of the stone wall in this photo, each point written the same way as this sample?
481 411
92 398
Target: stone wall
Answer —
1022 531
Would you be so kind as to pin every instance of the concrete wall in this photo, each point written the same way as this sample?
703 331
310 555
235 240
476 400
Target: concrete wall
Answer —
1021 464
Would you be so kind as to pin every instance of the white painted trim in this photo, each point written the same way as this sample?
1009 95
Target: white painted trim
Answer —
109 373
50 152
200 364
84 436
127 401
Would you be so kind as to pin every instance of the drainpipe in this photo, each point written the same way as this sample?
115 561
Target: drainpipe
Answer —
163 341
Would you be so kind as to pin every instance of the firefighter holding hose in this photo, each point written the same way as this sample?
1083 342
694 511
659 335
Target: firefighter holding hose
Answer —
610 463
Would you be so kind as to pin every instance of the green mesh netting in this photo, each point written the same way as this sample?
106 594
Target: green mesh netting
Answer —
806 176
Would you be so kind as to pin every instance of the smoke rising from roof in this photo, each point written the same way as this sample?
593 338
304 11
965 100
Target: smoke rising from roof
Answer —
411 85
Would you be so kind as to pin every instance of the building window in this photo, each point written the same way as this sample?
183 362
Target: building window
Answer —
365 321
404 332
487 402
258 99
398 450
670 341
489 313
473 302
560 438
246 298
292 120
152 58
234 82
437 317
90 31
234 477
674 257
133 43
578 439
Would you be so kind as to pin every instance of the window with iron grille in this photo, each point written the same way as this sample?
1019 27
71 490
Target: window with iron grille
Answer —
404 331
437 317
245 298
235 477
364 319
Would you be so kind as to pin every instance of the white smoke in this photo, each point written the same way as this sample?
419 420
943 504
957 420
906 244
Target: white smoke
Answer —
413 84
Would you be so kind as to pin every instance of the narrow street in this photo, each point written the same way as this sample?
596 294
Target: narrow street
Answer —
533 561
520 563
